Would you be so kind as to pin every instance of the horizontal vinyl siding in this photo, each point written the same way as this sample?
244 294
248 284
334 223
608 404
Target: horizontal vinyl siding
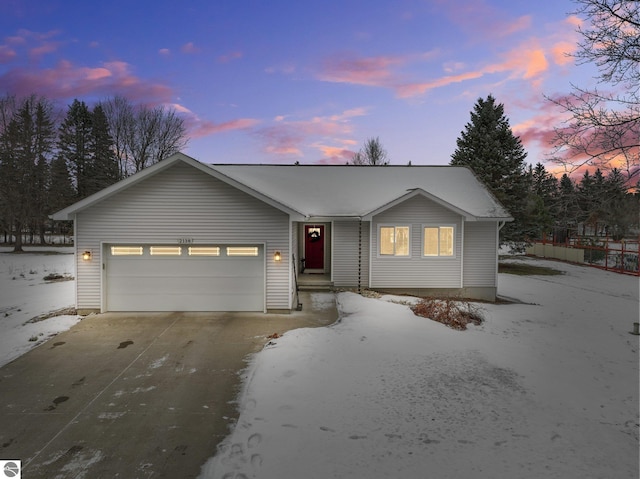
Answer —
480 254
345 254
295 267
416 271
182 202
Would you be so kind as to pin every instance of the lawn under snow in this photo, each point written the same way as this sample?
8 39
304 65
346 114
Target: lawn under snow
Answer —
547 387
25 295
543 388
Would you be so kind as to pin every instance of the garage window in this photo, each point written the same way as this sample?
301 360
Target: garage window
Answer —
204 251
242 251
126 250
166 251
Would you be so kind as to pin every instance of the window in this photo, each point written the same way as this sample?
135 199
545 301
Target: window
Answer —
242 251
166 251
126 250
394 241
204 251
438 241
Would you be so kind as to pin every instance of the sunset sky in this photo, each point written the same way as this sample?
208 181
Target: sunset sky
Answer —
282 81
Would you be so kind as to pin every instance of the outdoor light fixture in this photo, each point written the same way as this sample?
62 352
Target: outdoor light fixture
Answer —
86 256
277 257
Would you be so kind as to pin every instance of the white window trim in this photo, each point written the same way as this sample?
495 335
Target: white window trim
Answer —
438 225
393 256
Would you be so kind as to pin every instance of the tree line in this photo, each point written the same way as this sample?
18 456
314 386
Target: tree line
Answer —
596 204
49 160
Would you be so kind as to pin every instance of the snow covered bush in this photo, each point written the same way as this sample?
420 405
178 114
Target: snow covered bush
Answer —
454 313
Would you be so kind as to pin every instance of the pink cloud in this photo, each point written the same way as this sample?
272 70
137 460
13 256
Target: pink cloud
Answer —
484 20
199 128
189 48
334 154
526 62
287 137
6 54
370 71
43 49
67 80
236 55
164 51
415 89
561 52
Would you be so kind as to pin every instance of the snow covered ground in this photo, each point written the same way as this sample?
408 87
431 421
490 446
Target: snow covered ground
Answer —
25 295
547 387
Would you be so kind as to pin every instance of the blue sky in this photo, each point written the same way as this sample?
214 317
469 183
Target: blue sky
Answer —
284 81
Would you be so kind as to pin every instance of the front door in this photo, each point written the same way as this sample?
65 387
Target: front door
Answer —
314 246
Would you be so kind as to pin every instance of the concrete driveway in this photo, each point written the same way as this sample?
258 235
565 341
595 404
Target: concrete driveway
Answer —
135 395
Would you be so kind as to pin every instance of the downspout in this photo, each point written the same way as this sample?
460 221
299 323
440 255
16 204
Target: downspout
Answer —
500 225
359 255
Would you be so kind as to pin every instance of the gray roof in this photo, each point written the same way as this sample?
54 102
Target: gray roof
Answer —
360 191
307 191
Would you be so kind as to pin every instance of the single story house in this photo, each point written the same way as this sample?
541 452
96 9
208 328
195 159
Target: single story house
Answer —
182 235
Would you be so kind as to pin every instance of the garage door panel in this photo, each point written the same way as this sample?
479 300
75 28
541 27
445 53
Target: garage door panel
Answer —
185 283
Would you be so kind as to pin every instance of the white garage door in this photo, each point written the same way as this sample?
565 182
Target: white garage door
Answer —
184 278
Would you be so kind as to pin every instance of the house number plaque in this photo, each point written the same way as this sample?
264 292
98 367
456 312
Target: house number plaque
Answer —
185 240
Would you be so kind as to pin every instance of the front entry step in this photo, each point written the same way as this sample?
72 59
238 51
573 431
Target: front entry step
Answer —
314 282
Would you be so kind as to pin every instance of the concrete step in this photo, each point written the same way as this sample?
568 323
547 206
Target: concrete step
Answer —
315 287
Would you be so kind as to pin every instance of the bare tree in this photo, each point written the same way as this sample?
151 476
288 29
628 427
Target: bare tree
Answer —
120 116
604 126
143 135
371 154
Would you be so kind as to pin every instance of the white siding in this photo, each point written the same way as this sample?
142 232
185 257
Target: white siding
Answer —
295 270
345 254
182 202
416 271
480 254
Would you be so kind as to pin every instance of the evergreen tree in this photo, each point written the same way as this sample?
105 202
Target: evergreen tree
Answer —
74 145
26 146
618 212
103 166
541 200
497 157
566 209
61 192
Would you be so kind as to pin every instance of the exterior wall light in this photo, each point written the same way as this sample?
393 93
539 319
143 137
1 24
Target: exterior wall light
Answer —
86 256
277 257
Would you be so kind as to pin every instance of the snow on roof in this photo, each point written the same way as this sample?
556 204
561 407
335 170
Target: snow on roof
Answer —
321 191
356 191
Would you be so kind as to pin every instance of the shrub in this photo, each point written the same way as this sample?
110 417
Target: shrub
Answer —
454 313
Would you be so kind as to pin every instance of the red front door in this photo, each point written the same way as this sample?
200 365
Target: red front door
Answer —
314 246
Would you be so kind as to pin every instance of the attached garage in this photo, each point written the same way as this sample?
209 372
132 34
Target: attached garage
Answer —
159 277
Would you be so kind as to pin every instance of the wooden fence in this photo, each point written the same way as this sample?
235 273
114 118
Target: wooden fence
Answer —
618 256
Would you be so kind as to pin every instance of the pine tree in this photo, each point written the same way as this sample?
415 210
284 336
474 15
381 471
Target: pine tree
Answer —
61 192
26 147
619 219
567 209
74 146
103 166
541 199
497 157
